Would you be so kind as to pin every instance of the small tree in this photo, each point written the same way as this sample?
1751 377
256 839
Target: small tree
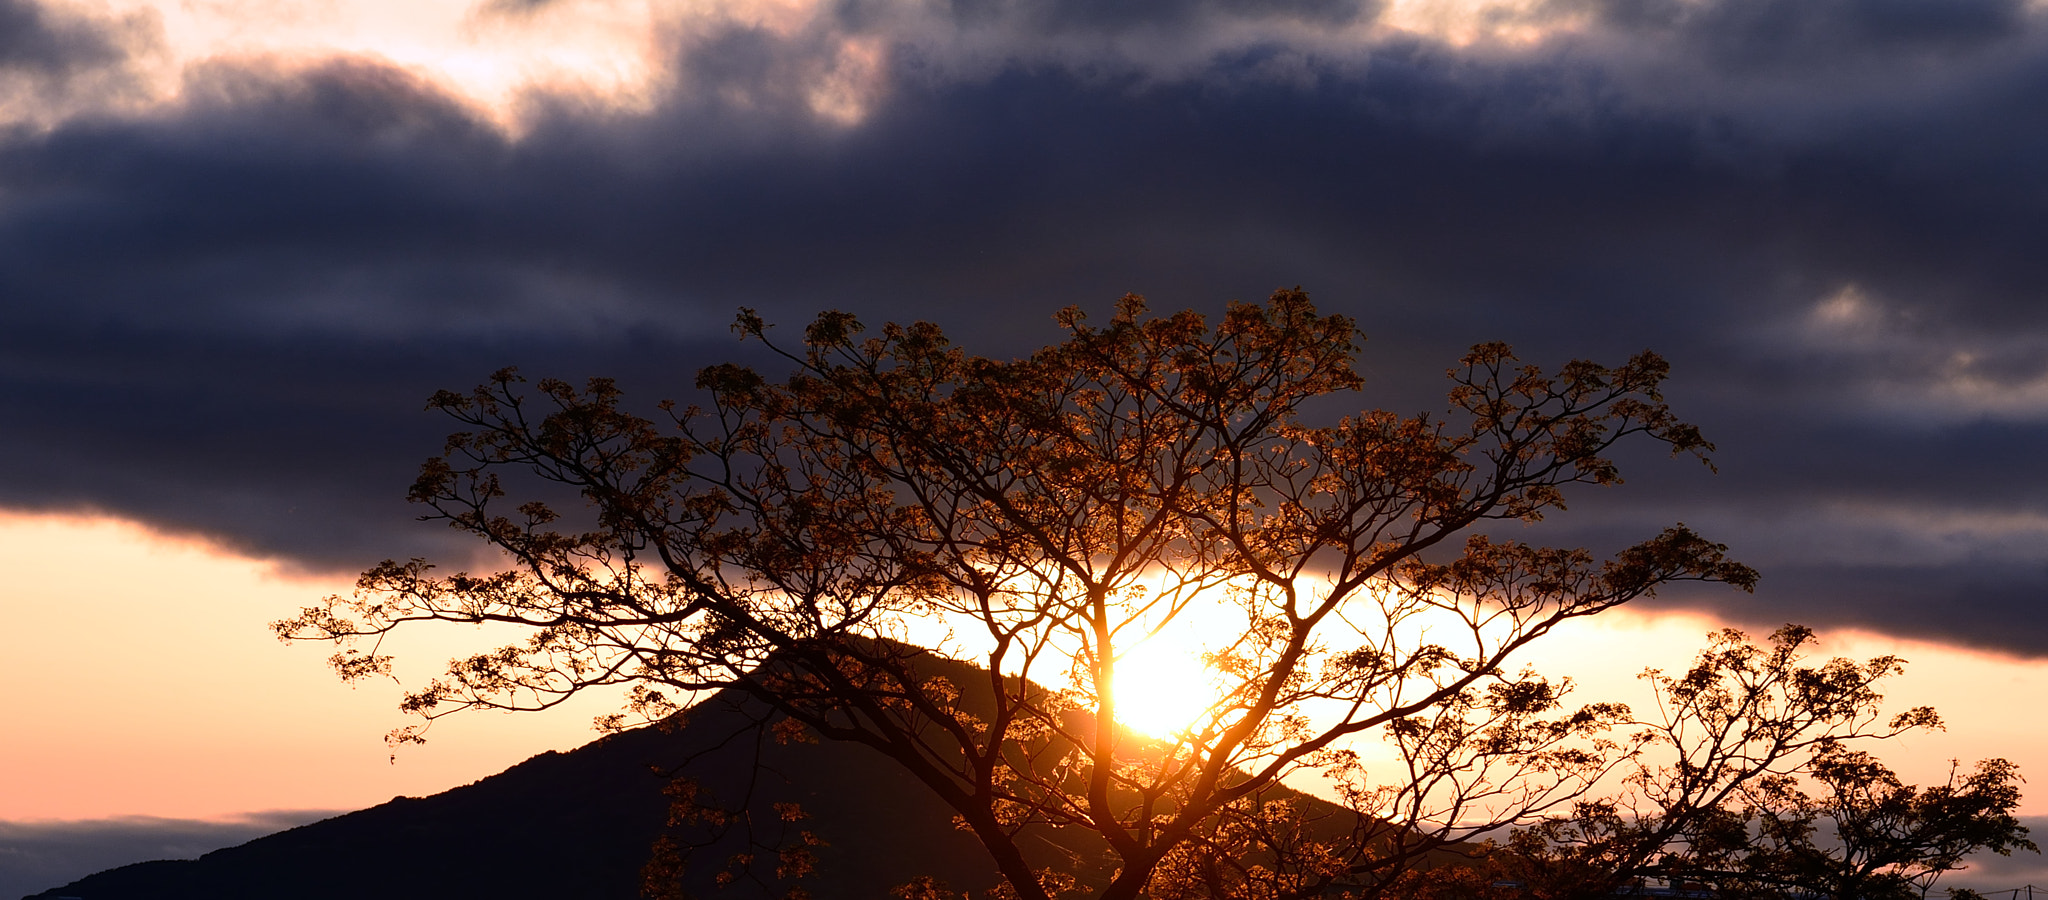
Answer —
1862 834
1042 517
1746 780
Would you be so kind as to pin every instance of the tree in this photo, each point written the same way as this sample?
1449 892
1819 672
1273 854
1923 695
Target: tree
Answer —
1890 840
1746 780
1043 516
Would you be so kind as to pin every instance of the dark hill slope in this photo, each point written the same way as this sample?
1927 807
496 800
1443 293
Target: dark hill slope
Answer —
581 824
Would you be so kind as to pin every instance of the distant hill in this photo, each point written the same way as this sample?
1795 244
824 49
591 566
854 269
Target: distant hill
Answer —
568 826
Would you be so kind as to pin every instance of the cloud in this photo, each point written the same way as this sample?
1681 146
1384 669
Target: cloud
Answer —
35 39
223 314
1753 33
1990 874
38 855
56 64
513 8
1912 362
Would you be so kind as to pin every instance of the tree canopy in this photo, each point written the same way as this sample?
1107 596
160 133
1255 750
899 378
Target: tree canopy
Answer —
1745 780
808 540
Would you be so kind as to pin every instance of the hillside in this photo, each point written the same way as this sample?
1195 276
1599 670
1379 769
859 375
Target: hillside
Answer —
566 826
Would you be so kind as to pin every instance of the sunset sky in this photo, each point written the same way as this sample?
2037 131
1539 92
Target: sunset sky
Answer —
241 241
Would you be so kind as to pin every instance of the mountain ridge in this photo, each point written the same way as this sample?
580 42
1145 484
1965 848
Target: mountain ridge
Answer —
582 823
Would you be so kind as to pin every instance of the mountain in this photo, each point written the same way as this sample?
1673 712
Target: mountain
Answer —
581 824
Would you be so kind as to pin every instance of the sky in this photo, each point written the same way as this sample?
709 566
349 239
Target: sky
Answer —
241 241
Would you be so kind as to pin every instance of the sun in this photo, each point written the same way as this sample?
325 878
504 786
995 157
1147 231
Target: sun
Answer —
1162 686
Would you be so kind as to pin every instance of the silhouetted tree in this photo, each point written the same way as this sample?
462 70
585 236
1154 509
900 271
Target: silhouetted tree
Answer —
797 539
1747 782
1862 834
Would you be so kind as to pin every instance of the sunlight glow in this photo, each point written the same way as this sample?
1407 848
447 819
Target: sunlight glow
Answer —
1162 686
619 56
610 56
1466 23
599 53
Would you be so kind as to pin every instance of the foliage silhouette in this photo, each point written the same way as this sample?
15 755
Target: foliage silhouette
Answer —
1746 784
795 540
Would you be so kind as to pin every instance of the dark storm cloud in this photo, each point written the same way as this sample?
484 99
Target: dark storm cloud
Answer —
37 856
36 39
1080 16
513 7
61 60
1816 33
224 318
1919 531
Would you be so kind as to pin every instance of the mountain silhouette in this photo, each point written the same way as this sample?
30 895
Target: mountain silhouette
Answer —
582 824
